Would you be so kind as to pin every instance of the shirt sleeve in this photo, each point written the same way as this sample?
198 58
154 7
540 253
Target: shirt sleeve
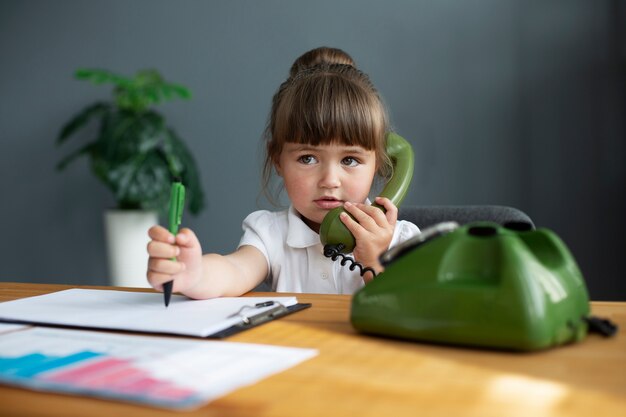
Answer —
255 226
404 231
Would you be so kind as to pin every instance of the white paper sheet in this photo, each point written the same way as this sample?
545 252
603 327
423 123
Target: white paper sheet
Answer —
134 311
6 327
172 373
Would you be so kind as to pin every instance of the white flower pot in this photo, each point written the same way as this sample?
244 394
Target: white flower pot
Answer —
126 234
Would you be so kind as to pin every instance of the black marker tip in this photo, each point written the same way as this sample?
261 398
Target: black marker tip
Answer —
167 292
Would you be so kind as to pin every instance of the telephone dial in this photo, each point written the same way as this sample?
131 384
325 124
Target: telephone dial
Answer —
336 237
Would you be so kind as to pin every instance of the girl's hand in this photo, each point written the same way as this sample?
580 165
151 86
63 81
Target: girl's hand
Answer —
186 271
372 230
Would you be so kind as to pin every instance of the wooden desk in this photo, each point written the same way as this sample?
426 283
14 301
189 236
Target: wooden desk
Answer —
357 375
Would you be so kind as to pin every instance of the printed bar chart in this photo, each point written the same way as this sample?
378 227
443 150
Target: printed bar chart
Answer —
162 372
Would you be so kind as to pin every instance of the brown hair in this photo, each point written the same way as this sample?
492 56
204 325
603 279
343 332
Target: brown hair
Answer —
321 55
322 103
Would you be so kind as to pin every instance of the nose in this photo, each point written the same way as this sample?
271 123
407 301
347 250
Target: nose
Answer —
330 177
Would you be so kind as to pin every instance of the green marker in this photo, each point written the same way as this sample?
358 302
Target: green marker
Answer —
177 205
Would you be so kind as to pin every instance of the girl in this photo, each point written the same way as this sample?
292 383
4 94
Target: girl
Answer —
326 139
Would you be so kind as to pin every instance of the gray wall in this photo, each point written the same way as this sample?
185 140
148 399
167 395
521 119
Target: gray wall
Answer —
514 102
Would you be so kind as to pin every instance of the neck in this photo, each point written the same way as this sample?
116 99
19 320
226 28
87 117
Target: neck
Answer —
312 225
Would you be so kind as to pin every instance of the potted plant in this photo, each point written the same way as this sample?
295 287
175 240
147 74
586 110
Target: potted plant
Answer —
136 155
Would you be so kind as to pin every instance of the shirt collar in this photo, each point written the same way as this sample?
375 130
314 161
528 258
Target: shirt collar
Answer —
299 235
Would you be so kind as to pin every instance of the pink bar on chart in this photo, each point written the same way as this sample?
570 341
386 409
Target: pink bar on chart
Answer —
86 371
113 379
141 385
171 392
119 375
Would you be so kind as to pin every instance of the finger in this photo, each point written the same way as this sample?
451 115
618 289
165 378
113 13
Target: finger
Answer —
361 217
376 214
187 239
161 234
391 209
165 266
352 225
158 249
157 279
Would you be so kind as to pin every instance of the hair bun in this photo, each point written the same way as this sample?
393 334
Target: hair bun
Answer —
320 56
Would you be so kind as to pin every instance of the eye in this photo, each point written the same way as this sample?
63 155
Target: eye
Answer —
350 161
307 159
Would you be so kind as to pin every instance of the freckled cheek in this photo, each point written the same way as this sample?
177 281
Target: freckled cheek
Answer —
298 187
358 190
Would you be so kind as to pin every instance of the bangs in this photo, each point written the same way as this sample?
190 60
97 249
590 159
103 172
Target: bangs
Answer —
329 109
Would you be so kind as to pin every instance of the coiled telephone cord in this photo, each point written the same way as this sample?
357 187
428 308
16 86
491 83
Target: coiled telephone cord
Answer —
334 251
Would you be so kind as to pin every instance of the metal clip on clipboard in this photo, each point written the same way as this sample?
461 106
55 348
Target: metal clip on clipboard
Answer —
249 319
253 320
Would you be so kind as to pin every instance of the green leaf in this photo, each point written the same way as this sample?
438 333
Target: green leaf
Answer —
78 121
147 77
166 91
153 132
152 94
152 182
181 91
99 76
69 158
123 176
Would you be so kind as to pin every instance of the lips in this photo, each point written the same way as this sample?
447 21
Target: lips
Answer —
328 203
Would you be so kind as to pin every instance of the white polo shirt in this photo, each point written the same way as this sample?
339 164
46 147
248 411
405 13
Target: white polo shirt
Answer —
295 257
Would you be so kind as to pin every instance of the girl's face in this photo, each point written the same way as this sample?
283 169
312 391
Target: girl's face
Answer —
320 178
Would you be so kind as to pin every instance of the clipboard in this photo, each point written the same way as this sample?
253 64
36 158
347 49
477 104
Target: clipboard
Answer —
143 312
248 321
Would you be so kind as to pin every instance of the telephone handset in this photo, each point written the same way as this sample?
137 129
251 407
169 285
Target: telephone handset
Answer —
334 235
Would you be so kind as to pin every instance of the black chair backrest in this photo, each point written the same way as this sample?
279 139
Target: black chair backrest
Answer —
424 216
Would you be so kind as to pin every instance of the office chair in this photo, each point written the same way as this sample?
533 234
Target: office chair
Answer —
424 216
